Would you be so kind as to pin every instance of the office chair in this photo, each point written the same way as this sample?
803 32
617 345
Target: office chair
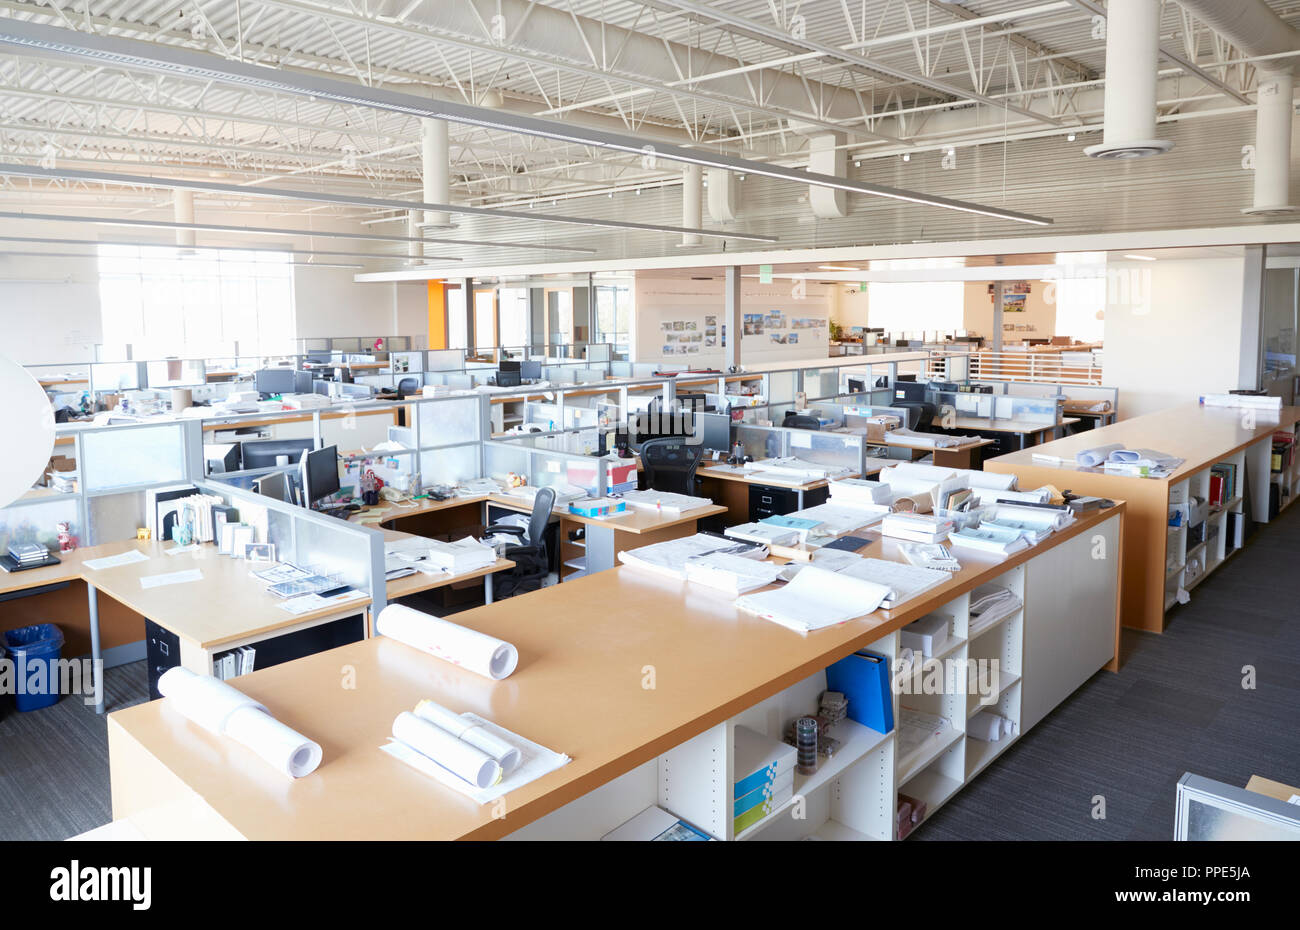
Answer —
670 462
531 562
407 386
801 421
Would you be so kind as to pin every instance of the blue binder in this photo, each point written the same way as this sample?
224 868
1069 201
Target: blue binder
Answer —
864 679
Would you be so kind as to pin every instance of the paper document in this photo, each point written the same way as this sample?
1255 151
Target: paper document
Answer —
112 561
669 558
157 581
815 599
1091 458
731 573
838 519
477 652
179 550
664 501
903 581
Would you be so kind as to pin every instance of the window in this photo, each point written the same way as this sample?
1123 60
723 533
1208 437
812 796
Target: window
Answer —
163 302
513 313
485 304
613 313
1080 295
916 306
457 338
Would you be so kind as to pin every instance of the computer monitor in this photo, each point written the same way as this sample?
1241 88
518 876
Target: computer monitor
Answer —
509 365
320 473
221 457
697 402
111 377
302 382
530 370
910 391
274 485
262 453
857 386
508 378
276 380
175 372
714 431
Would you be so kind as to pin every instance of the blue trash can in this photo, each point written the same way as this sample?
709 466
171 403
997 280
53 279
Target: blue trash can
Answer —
35 651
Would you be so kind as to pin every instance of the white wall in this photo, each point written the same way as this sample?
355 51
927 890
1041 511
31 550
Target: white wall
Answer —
1180 337
1038 315
666 299
49 307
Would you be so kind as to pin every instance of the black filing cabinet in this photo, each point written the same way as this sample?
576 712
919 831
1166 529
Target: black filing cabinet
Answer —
163 649
768 501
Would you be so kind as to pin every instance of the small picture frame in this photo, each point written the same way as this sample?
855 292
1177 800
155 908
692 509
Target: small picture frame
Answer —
259 552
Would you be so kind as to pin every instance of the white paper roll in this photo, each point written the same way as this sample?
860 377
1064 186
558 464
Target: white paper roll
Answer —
470 649
506 755
1091 458
202 699
282 746
985 726
455 755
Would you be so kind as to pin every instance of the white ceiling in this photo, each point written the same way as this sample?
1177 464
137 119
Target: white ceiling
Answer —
1003 93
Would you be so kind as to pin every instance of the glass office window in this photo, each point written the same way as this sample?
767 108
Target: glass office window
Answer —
513 315
1281 296
559 316
916 306
149 455
457 338
613 313
485 324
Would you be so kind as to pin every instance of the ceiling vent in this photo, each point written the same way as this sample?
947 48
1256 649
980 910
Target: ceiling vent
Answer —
1132 47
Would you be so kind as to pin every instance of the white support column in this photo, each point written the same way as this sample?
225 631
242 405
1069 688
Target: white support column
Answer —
435 151
1273 117
827 155
731 316
692 202
722 195
183 211
413 249
997 315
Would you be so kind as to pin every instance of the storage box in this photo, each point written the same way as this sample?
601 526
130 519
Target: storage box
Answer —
926 636
759 761
597 507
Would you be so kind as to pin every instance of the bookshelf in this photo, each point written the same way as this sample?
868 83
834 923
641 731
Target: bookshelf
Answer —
1063 632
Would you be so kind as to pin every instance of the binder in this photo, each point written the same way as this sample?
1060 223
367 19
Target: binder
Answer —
864 679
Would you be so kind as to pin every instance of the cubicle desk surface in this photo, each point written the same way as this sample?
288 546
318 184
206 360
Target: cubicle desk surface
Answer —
386 513
421 581
227 607
1202 436
958 456
583 648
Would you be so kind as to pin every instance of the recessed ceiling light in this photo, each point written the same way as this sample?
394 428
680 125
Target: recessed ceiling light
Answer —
1070 137
857 164
1142 258
907 156
837 268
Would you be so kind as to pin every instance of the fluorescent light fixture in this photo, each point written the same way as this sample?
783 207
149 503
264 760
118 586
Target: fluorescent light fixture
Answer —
96 255
133 53
1141 258
837 268
173 247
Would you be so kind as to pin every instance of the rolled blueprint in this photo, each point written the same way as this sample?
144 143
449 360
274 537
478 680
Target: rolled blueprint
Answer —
225 711
470 649
282 746
203 699
455 755
506 755
1091 458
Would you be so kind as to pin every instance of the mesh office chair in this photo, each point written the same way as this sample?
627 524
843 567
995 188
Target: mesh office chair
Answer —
670 462
530 558
407 386
801 421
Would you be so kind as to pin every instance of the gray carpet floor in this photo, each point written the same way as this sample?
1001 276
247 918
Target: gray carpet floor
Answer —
1176 706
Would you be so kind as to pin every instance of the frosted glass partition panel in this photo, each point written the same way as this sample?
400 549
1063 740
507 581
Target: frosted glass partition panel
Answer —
449 466
38 522
444 360
112 517
501 459
546 416
836 450
821 382
446 421
1206 809
760 442
404 362
132 456
781 387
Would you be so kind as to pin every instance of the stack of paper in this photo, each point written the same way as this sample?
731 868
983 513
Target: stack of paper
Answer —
859 491
919 734
670 557
907 437
915 527
992 495
989 603
837 519
764 770
801 525
1055 518
903 581
664 501
993 539
463 555
795 469
932 556
815 599
765 533
734 574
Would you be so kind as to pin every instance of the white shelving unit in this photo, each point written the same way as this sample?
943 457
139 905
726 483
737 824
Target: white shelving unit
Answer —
1200 546
1063 633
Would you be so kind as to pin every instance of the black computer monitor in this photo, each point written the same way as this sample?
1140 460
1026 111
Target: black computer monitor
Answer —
857 386
656 423
302 382
530 370
262 453
320 473
714 431
910 391
275 380
509 365
508 378
697 402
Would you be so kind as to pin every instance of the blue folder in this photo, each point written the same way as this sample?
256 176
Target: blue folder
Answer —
864 679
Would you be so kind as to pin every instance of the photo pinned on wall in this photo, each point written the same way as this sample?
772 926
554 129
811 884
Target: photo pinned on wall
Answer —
775 319
691 325
666 326
679 326
792 339
779 339
710 330
753 324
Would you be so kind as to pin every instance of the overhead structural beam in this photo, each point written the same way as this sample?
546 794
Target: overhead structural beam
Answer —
148 56
348 200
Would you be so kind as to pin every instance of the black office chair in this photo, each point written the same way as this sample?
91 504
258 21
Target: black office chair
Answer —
531 562
407 386
669 464
801 421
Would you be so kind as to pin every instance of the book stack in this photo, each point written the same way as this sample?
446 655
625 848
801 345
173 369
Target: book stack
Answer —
860 491
766 534
764 770
28 554
916 527
801 525
598 507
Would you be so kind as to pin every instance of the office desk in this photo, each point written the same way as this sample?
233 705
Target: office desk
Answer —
958 456
423 581
730 484
1202 436
1028 433
579 689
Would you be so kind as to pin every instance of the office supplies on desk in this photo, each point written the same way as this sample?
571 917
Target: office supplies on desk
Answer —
664 501
860 491
1049 518
993 496
458 757
670 557
224 711
112 561
733 574
847 544
839 518
863 678
598 508
24 556
764 533
466 728
994 539
903 581
916 527
815 599
929 555
470 649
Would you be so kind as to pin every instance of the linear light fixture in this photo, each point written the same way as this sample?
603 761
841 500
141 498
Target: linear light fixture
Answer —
134 53
34 254
1142 258
173 247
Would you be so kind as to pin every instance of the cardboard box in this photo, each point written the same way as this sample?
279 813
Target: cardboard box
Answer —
877 426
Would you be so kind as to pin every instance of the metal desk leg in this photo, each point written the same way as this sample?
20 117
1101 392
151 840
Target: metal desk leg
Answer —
96 657
487 588
800 498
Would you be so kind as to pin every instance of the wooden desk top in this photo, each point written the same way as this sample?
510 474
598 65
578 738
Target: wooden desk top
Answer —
634 520
583 646
70 568
751 476
226 604
961 447
1009 426
1199 435
421 581
385 512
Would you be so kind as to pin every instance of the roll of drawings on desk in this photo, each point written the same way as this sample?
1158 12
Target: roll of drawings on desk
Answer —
225 711
455 755
470 649
470 731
